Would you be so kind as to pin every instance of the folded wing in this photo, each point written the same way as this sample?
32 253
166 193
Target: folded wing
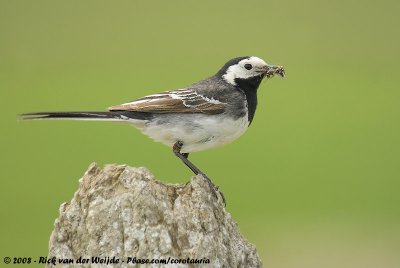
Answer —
177 101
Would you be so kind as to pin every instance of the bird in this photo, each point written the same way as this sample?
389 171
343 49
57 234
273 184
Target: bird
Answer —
209 113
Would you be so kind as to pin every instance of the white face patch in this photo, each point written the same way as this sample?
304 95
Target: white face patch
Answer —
239 70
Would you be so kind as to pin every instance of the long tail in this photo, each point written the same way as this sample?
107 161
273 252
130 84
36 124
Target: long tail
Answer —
84 115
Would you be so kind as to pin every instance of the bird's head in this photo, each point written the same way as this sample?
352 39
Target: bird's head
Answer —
248 69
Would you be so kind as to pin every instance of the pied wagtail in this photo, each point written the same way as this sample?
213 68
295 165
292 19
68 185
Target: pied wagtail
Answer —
207 114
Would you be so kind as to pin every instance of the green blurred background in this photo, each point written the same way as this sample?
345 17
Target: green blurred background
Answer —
313 183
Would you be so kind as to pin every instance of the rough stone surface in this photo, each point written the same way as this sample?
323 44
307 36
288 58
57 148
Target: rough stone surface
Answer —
124 212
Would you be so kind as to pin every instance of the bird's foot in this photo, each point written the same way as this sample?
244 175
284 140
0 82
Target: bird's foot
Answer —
214 188
184 157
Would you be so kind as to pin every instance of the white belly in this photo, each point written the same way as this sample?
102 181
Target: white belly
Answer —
196 131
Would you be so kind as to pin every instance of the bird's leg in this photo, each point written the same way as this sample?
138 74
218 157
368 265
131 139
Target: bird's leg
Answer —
184 157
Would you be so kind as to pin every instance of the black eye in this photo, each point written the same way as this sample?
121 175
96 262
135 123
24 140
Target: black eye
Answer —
248 66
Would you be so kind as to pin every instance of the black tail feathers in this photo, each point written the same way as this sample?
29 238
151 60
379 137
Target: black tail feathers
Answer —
68 115
108 116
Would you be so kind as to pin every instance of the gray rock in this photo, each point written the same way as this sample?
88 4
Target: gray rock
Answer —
123 212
